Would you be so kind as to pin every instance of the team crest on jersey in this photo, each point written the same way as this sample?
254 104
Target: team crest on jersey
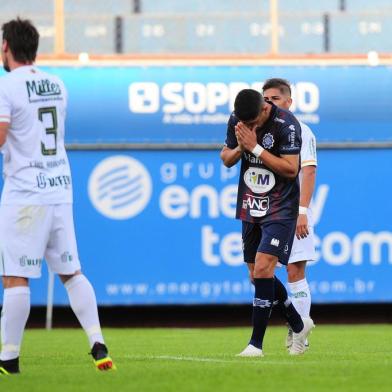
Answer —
268 141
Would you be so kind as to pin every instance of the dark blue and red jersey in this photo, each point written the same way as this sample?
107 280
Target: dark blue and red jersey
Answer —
263 195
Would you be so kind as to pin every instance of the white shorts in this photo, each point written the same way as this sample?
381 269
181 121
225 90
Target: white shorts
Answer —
30 233
303 249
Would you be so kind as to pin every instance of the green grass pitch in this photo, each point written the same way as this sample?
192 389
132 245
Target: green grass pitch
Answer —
341 358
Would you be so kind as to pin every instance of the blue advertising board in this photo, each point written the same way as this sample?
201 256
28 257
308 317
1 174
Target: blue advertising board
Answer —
158 228
191 104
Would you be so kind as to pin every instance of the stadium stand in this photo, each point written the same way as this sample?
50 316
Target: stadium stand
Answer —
210 27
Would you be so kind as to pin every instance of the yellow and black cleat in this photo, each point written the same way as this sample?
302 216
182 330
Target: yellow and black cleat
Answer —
102 361
4 372
105 364
9 367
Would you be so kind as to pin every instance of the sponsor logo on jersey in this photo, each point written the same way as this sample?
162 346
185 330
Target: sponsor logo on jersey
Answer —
120 187
275 242
268 141
42 88
259 180
43 181
66 257
261 303
252 159
258 206
279 120
26 261
291 139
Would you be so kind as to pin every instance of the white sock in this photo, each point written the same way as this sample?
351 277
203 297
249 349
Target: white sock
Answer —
14 315
84 304
300 296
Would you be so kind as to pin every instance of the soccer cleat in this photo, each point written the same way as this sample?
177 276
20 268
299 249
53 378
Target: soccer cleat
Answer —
289 339
102 360
9 367
299 339
251 351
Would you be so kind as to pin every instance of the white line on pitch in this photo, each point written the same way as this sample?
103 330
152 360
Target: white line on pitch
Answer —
259 361
195 359
189 359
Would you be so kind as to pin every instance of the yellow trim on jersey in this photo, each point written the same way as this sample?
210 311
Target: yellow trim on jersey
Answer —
309 162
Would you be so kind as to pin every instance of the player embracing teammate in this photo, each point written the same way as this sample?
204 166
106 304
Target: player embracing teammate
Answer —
267 140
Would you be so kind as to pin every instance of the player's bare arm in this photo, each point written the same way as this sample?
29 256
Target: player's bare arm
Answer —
3 132
285 165
307 188
230 156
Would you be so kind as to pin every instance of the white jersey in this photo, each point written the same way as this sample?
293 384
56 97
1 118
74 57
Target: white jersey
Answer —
308 157
35 165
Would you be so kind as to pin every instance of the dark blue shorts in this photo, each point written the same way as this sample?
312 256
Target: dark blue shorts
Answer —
273 238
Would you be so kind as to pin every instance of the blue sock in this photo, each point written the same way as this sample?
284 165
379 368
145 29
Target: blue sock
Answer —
288 309
262 306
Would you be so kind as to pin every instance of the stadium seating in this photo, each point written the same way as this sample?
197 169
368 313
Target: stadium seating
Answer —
195 34
219 26
366 5
358 32
98 7
93 34
12 8
198 6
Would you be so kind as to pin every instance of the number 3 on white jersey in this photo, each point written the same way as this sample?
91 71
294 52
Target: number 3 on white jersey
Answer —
51 131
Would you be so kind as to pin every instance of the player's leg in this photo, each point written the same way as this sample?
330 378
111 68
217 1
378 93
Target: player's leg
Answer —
300 294
302 250
297 341
263 273
272 247
62 257
299 288
22 236
14 315
84 304
277 240
290 313
251 237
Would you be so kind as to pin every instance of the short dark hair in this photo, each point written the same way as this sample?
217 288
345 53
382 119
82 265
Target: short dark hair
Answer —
22 38
248 104
282 84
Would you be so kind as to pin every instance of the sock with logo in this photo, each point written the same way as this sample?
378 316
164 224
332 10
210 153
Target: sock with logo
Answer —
300 296
84 304
289 311
262 306
14 315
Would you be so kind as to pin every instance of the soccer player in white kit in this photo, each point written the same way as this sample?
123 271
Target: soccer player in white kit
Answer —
36 218
278 91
